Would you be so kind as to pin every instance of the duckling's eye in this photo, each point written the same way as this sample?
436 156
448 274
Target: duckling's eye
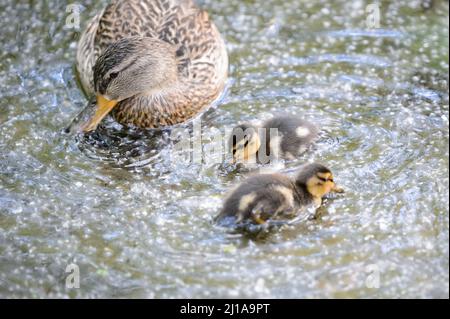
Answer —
331 180
246 143
113 75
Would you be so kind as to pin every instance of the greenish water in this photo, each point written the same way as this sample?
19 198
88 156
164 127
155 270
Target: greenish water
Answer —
139 225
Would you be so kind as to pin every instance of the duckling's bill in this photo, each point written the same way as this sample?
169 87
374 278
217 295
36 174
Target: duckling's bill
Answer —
337 189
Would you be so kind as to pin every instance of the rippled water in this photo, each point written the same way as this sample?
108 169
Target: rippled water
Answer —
139 225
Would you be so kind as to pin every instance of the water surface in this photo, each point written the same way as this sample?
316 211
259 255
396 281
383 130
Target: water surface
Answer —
139 225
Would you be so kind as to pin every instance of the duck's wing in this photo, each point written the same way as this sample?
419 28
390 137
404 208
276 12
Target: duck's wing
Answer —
201 53
201 49
86 54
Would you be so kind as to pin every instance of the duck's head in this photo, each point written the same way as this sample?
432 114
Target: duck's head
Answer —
244 142
130 67
317 180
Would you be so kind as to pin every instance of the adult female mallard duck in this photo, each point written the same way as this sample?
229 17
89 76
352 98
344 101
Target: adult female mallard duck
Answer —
265 197
150 63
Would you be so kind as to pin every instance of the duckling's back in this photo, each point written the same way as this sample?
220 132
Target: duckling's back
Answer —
265 195
295 135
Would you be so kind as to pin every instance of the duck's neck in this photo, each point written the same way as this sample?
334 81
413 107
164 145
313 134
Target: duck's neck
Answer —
303 195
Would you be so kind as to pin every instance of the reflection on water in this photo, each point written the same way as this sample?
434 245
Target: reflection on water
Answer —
139 224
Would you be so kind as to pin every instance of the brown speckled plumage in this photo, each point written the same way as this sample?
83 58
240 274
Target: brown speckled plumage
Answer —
199 50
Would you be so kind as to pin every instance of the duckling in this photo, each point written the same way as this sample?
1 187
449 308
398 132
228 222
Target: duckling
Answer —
284 137
150 63
266 197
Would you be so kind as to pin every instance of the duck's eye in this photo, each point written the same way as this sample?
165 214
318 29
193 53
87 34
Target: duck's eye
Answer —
113 75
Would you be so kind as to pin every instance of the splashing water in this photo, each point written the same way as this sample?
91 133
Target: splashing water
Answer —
140 225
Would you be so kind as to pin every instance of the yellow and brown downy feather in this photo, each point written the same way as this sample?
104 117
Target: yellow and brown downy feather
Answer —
201 56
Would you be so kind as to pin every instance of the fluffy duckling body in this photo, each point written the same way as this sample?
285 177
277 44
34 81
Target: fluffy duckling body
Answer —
274 196
150 63
285 137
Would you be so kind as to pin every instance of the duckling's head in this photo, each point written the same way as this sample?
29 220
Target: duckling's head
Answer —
131 67
317 180
244 142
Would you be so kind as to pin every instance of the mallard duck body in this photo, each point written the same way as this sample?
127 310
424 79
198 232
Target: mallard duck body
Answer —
190 36
266 197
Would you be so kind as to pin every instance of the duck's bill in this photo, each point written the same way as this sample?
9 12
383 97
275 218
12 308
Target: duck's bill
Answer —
91 115
338 189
